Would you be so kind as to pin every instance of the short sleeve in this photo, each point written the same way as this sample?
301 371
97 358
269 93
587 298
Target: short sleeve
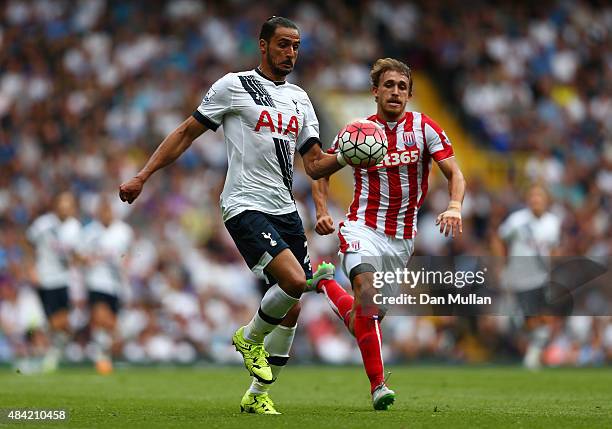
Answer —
33 233
216 103
436 140
309 135
507 228
36 231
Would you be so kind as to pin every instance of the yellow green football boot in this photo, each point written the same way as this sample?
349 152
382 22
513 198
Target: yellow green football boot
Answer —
325 271
254 356
257 403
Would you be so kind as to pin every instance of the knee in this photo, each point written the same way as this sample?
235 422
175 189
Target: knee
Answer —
295 310
295 284
292 315
362 284
97 313
103 317
59 321
364 292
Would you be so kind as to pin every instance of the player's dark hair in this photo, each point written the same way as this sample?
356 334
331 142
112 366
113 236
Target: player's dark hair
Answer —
385 64
269 27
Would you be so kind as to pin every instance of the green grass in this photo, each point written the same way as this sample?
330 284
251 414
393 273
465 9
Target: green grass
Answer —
320 397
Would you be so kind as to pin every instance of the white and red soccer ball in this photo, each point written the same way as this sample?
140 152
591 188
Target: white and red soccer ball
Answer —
362 143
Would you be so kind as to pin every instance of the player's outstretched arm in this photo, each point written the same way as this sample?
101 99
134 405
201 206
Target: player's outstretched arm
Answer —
319 164
450 220
177 142
320 191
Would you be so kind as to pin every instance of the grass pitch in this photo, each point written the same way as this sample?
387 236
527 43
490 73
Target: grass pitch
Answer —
319 397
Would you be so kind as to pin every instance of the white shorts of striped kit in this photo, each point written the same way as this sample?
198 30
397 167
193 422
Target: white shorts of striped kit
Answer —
361 244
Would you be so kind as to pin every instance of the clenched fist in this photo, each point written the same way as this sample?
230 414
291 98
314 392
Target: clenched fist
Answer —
130 190
325 225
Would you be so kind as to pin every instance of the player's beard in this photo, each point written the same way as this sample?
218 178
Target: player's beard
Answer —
277 70
395 111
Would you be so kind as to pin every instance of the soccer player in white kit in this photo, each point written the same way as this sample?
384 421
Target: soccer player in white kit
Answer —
527 239
55 236
378 233
103 251
265 119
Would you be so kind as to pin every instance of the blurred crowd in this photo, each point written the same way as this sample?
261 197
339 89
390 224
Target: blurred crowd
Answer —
537 79
89 88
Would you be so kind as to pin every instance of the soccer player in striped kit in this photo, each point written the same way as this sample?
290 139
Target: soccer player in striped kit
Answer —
378 233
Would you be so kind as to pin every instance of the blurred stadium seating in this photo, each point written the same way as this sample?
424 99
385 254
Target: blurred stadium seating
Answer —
89 88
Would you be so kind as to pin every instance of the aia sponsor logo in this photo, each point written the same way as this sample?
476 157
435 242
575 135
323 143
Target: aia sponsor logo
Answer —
265 121
354 245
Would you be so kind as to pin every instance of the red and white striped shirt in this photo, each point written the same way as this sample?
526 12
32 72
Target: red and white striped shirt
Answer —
388 196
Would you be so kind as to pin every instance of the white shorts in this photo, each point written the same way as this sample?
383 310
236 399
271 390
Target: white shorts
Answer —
362 244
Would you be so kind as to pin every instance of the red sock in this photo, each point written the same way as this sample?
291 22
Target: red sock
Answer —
367 330
369 340
341 300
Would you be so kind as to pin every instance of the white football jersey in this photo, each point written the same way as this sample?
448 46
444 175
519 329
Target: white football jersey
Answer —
108 246
54 241
263 122
530 241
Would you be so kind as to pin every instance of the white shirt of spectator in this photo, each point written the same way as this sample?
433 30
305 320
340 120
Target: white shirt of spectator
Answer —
54 241
530 241
263 123
108 246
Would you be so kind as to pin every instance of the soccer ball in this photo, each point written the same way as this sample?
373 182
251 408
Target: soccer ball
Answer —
362 143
